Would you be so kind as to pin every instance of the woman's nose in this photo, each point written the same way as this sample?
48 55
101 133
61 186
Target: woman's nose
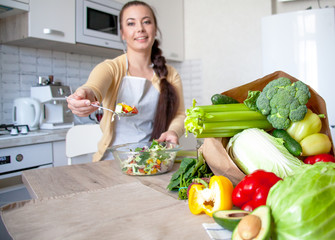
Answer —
140 28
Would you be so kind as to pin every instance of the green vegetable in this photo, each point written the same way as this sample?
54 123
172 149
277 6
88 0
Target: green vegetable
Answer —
189 169
303 205
250 101
282 102
223 120
291 145
228 219
222 99
254 149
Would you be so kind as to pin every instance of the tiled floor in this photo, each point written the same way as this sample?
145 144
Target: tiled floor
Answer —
18 193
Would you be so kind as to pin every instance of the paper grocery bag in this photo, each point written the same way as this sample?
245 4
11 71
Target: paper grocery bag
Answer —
213 149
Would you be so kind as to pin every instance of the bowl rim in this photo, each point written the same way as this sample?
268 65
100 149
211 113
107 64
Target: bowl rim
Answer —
177 147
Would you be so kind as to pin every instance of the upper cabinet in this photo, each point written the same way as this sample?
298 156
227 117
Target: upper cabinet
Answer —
170 18
50 20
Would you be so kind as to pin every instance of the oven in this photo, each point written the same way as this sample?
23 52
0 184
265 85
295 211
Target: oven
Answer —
14 160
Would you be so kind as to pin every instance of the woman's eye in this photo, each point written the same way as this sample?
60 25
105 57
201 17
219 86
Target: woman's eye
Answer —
147 22
130 23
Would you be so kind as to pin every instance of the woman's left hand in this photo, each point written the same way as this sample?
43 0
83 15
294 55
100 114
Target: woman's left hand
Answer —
169 136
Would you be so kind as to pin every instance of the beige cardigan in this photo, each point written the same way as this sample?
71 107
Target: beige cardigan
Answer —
105 80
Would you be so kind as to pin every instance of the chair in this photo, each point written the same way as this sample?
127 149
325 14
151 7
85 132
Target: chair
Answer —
82 140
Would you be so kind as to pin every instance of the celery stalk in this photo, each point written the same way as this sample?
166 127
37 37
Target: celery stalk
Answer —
223 107
214 126
223 120
219 134
233 116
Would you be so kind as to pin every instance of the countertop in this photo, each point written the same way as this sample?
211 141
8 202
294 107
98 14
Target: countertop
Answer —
97 201
34 137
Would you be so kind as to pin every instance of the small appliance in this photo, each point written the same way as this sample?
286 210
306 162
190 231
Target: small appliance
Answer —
55 113
27 111
97 23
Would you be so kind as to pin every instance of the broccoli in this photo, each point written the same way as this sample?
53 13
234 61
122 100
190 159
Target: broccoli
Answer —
282 102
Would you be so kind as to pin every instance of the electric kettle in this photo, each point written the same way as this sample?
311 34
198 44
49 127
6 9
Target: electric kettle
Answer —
27 111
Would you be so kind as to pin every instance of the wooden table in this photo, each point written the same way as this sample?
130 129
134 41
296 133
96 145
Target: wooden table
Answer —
170 217
50 182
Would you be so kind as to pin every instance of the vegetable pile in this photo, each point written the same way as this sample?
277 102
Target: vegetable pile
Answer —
276 141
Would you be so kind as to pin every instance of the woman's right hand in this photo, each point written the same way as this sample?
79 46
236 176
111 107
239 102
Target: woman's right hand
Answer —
80 102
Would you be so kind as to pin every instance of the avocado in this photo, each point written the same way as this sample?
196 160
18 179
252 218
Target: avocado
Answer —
256 225
228 219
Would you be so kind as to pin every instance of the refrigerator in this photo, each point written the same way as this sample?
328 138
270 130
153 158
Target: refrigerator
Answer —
302 44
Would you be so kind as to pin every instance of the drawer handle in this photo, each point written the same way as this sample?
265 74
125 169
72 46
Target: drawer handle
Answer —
48 31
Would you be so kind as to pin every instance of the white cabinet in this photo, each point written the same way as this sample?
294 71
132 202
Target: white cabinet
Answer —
58 152
52 20
170 18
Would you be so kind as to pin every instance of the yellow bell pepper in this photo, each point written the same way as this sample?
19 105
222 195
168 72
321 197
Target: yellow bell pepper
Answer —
309 125
315 144
218 196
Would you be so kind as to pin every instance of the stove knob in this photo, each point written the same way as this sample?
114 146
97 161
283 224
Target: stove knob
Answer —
14 132
19 157
24 130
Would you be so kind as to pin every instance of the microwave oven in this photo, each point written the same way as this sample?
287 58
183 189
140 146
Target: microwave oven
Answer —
97 23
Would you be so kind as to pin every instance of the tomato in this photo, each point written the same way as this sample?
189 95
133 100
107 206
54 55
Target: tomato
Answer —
135 111
324 157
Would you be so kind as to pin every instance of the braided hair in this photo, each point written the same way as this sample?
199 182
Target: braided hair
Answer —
168 101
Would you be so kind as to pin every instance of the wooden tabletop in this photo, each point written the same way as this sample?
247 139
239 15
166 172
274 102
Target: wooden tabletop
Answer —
55 192
57 181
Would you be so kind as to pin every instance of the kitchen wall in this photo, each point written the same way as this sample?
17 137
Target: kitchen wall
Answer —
226 36
20 68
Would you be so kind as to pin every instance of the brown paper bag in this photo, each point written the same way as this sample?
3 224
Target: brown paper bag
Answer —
213 149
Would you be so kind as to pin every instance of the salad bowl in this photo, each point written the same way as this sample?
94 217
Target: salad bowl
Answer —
145 158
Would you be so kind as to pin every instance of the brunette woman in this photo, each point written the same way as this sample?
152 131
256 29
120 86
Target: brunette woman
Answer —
140 77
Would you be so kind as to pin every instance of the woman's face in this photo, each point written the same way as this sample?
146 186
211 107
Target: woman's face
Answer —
138 28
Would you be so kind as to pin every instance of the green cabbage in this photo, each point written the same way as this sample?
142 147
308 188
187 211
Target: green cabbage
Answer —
303 205
254 149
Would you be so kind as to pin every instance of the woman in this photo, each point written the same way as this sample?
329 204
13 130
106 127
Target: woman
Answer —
140 78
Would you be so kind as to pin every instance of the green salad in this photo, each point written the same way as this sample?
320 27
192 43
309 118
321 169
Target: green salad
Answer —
149 160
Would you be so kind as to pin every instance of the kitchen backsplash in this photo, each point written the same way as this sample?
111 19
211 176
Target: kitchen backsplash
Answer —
20 68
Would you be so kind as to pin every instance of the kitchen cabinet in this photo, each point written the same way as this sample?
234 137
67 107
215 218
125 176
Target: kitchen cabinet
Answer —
170 18
58 152
52 20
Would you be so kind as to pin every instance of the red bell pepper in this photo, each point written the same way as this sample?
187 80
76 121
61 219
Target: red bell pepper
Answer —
253 190
324 157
